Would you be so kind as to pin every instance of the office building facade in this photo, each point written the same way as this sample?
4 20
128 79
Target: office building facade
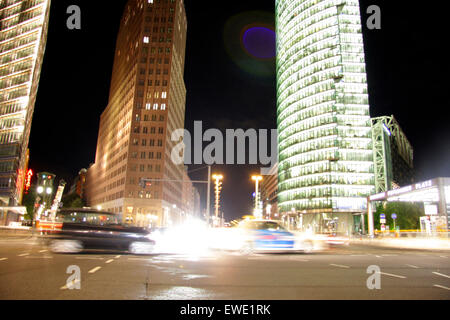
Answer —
325 145
146 104
23 38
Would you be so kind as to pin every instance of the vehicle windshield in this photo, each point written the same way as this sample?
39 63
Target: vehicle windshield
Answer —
100 219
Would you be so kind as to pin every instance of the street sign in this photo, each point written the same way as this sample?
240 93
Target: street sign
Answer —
382 216
382 220
394 216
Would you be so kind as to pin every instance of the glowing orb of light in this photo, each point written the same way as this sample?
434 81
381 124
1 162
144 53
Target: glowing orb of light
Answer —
259 42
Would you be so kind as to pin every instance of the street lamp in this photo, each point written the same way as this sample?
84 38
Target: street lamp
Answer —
218 187
257 179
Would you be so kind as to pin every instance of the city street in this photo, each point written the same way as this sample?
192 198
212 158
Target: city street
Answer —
29 271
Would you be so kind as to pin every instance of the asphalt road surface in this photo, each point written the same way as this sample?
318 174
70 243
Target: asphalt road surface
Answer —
29 271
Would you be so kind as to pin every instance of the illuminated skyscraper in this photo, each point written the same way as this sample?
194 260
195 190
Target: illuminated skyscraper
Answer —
325 146
146 104
23 37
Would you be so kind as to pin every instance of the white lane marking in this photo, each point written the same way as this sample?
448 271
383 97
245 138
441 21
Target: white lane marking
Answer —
442 287
117 257
389 255
339 265
393 275
442 275
109 261
377 256
298 259
37 257
141 259
23 255
358 255
42 251
88 258
443 257
71 284
94 270
3 259
412 266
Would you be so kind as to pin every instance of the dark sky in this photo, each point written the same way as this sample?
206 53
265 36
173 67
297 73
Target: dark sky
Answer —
406 64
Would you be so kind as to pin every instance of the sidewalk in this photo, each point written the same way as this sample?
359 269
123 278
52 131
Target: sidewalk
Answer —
8 232
408 243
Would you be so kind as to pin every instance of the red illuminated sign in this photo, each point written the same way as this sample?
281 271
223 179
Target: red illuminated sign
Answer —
28 180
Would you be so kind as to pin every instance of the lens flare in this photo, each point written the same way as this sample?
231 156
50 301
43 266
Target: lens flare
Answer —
251 43
259 42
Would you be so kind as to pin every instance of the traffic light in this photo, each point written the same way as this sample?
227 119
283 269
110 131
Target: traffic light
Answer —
145 183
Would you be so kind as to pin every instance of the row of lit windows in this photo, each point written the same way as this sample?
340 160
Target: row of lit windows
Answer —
160 40
330 142
142 168
7 166
326 191
332 178
15 20
14 94
326 166
21 53
333 129
19 30
331 154
142 71
313 64
10 137
143 155
151 142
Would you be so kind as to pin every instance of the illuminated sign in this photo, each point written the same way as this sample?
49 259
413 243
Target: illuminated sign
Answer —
431 209
378 196
28 180
423 185
399 191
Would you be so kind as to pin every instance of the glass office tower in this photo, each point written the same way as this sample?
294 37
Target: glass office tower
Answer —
324 125
23 37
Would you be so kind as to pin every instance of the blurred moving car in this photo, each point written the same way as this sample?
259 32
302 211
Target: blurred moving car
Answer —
252 236
78 229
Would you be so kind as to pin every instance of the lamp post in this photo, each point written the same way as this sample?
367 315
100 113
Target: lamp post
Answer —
257 179
218 187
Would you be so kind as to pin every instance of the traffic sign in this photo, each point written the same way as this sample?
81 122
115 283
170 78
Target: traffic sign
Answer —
382 216
382 220
394 216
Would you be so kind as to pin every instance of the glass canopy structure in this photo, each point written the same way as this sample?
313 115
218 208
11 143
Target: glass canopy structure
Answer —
324 126
435 194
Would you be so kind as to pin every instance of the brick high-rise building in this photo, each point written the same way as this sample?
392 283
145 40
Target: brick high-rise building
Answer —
23 37
146 104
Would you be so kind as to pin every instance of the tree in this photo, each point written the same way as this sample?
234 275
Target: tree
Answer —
28 202
408 215
73 200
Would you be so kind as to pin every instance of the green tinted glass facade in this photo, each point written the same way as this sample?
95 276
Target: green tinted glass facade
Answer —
324 125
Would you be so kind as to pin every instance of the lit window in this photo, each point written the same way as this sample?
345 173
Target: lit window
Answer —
146 39
164 95
148 106
155 106
163 106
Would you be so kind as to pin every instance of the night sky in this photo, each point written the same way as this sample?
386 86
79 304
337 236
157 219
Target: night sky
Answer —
406 64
